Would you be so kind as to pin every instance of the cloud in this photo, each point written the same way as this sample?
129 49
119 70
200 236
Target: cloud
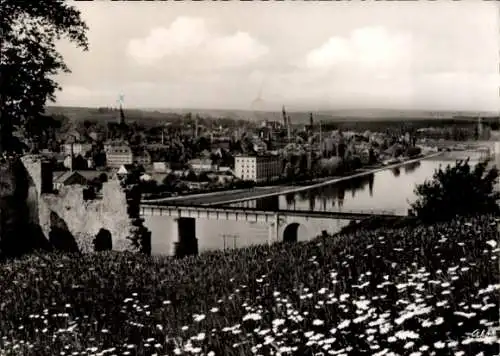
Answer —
190 43
367 47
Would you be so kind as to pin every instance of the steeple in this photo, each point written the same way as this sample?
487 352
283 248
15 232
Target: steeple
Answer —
283 111
122 114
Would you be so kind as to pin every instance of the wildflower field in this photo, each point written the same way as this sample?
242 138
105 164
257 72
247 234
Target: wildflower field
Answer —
406 291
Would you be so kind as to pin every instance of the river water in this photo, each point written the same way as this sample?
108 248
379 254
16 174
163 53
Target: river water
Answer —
390 190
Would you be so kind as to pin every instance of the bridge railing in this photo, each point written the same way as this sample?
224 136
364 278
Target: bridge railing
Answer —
345 211
369 211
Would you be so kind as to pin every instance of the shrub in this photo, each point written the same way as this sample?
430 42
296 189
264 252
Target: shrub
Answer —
457 190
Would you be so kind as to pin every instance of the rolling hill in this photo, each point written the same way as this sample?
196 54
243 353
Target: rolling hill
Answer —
297 117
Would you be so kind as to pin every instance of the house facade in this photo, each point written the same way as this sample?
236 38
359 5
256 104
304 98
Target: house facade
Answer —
76 148
116 156
258 168
201 165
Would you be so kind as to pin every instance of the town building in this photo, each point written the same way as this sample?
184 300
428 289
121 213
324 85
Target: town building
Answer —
75 162
125 169
66 178
161 167
201 165
77 148
259 168
259 146
141 157
116 156
109 144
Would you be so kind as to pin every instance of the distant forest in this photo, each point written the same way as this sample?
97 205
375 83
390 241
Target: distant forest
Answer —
228 118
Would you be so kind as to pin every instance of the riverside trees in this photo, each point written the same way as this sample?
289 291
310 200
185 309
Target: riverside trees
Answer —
458 190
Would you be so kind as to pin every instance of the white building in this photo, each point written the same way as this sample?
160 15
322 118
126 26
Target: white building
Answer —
201 165
161 167
258 168
76 148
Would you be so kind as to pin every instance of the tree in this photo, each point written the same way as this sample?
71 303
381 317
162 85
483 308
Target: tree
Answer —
413 151
341 149
29 59
191 176
103 177
170 180
458 190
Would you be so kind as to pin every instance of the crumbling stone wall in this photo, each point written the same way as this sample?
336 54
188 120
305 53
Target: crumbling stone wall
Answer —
83 218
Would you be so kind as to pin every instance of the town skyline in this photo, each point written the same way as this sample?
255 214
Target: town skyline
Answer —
308 57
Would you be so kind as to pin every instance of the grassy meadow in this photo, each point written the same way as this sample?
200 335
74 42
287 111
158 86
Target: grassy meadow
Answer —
403 291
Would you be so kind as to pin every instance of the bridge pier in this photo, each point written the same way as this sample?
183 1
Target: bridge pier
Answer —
184 239
274 230
270 234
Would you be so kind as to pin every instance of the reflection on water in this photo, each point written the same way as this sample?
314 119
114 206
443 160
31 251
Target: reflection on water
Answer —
411 167
391 189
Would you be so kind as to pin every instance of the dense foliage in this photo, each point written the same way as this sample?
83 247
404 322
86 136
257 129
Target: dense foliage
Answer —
29 59
457 190
417 291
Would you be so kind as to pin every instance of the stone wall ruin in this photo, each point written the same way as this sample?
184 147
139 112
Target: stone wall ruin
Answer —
67 209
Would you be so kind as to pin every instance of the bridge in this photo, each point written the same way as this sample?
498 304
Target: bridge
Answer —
282 225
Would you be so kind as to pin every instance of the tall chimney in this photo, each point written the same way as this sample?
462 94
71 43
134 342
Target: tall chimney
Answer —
284 116
288 133
311 120
196 127
320 138
479 128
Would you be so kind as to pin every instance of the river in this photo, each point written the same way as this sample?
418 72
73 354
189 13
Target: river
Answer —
391 189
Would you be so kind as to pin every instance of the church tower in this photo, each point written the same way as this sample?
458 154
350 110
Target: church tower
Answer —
122 114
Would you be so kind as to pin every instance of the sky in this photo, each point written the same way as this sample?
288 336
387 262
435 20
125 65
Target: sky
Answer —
306 55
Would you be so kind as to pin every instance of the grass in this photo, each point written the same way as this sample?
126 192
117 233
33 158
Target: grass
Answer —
405 291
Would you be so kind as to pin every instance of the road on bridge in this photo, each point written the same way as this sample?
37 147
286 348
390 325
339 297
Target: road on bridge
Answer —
216 198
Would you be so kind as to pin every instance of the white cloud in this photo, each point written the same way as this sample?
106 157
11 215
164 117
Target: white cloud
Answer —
183 35
367 47
235 50
190 43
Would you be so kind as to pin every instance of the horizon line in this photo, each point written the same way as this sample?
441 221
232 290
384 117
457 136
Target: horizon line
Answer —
290 109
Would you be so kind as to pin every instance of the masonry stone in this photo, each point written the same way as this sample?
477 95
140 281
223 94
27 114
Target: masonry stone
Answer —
83 218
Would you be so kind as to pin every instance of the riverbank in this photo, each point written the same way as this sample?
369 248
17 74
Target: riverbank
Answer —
330 181
355 294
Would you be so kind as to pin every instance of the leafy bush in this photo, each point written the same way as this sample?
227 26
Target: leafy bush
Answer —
457 190
413 151
422 290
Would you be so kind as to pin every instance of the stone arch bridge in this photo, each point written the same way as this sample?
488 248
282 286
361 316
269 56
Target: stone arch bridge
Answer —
283 225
